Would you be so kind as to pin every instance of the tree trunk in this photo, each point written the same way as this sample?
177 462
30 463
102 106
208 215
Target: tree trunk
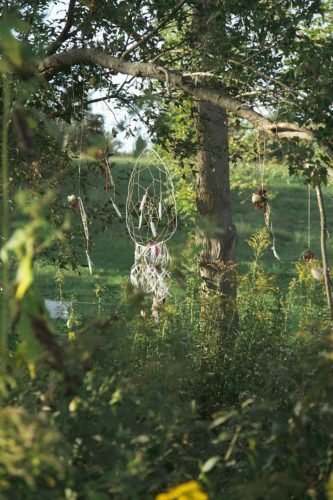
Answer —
217 261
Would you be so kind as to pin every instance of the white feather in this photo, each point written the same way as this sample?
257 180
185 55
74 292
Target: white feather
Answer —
84 218
143 201
109 172
275 253
89 262
317 273
116 209
153 228
160 210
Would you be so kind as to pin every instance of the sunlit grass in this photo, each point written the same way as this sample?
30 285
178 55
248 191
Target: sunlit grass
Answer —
112 251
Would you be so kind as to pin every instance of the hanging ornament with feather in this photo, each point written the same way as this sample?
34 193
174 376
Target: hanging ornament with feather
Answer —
260 198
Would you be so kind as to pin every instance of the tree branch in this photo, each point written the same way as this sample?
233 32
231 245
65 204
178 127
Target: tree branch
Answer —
64 35
216 95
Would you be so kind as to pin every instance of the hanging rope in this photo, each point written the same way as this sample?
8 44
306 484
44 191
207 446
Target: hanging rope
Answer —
75 201
260 199
108 176
309 216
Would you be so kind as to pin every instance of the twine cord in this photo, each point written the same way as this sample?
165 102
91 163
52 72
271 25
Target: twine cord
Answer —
309 216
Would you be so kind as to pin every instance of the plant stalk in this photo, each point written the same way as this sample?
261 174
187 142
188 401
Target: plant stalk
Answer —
324 256
5 215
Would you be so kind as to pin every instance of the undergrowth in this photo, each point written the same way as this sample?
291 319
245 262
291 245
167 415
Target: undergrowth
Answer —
140 407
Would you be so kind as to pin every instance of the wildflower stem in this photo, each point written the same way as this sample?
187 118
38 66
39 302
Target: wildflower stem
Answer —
5 216
323 238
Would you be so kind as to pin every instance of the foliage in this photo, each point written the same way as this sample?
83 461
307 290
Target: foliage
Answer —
121 406
87 136
140 145
247 414
29 450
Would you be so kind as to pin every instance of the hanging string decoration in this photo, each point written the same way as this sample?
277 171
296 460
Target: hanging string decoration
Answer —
151 220
309 257
260 199
109 184
75 201
76 204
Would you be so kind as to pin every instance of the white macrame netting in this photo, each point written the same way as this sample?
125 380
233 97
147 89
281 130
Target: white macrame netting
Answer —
151 219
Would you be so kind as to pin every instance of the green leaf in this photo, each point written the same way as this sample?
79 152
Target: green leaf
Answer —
24 276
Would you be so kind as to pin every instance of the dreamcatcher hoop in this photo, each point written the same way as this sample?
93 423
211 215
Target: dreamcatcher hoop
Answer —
151 215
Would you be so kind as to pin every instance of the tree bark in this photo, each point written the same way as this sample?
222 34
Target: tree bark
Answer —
217 262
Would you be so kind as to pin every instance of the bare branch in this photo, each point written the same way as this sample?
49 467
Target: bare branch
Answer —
64 35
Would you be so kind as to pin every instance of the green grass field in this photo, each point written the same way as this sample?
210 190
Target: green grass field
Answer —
112 250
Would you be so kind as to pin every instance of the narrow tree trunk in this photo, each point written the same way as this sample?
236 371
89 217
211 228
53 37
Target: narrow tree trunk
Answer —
217 259
217 263
323 238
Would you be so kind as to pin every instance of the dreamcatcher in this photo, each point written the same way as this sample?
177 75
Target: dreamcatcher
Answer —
260 200
151 220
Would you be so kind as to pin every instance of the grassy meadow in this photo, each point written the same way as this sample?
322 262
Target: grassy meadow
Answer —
112 250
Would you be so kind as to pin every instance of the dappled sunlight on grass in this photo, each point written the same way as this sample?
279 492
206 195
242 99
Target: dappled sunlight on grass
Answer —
112 250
